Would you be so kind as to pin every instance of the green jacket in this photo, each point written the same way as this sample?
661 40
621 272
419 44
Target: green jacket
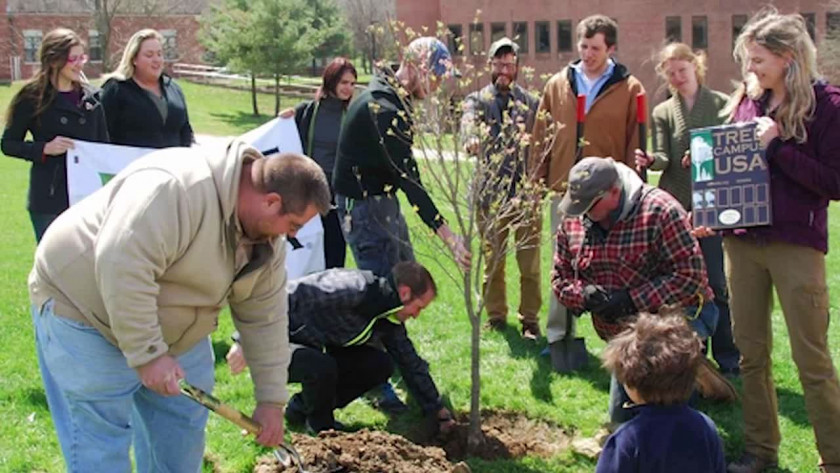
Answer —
672 124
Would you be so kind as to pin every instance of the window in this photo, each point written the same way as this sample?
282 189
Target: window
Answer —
497 31
476 38
673 29
832 24
456 39
542 37
520 35
811 24
564 36
738 22
94 45
699 32
170 44
31 44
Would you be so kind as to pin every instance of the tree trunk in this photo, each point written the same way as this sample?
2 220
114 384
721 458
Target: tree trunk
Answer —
276 94
475 439
254 105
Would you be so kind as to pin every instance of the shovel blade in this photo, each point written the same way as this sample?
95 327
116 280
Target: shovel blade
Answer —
569 354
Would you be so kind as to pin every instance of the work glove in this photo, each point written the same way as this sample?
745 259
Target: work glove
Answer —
609 306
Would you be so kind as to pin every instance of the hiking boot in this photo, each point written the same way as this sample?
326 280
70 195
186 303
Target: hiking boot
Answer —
497 325
295 413
713 385
530 332
388 401
749 463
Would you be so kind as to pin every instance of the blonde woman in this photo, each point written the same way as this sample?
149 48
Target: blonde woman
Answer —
798 117
56 106
143 105
692 105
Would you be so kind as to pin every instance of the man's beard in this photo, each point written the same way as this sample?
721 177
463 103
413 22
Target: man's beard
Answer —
502 87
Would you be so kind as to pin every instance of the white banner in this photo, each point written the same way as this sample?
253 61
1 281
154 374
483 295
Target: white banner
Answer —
91 165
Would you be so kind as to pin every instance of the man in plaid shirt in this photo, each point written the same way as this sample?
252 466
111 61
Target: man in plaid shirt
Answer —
336 318
625 247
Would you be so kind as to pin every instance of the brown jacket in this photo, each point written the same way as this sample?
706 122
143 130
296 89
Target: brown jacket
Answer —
151 259
610 128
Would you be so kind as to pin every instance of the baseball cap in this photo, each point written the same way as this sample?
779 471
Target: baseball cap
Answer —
501 43
436 54
589 180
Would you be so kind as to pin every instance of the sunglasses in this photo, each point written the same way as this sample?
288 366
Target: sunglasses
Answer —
77 59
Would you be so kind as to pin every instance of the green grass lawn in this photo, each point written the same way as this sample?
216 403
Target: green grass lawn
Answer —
514 376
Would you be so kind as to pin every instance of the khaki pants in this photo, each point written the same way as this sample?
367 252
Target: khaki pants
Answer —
798 274
555 326
527 243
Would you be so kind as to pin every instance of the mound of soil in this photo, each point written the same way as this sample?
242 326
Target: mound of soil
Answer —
362 451
506 435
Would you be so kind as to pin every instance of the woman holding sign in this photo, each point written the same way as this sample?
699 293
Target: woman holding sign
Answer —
56 106
798 116
692 105
143 105
319 123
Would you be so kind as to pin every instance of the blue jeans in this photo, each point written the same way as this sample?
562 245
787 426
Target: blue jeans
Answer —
703 324
724 351
376 232
40 223
97 402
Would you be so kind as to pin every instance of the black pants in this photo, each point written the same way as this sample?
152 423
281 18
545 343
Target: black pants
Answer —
333 379
335 248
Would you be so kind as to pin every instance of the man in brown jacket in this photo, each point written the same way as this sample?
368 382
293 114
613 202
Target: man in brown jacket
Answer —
610 124
128 284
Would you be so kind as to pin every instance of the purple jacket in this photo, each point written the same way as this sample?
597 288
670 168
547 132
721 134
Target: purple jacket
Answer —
803 177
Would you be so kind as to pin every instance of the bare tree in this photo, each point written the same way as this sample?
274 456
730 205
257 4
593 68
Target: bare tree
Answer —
829 48
367 20
477 195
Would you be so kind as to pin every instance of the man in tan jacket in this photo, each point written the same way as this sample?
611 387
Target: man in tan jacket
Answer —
610 124
128 284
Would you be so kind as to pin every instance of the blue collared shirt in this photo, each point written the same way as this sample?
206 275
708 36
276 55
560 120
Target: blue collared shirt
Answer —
589 87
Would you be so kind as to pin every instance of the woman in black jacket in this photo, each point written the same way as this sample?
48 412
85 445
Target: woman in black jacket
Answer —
319 123
56 106
145 107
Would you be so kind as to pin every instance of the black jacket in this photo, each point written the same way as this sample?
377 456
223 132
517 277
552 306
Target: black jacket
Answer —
364 167
48 174
346 307
134 120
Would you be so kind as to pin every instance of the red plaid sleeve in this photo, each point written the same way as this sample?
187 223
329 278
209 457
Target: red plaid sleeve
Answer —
567 288
685 274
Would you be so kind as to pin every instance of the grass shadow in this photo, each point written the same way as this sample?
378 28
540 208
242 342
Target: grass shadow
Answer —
220 349
792 406
240 119
36 397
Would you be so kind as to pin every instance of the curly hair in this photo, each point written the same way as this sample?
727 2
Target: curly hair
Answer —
658 356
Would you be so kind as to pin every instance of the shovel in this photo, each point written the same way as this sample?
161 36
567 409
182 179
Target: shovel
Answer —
285 453
569 353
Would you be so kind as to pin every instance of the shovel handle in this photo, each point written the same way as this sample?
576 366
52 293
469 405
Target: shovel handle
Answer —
224 410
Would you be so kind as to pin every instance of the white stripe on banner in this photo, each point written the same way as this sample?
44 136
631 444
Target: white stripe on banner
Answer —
91 165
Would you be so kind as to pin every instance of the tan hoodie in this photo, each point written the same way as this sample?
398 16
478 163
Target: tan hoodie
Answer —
151 259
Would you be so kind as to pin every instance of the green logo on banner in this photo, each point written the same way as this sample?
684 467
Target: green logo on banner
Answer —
105 177
702 157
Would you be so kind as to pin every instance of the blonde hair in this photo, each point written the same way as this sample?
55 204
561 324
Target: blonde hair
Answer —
125 70
782 35
682 52
53 53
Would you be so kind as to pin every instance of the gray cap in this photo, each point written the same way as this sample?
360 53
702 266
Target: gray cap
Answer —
589 180
501 43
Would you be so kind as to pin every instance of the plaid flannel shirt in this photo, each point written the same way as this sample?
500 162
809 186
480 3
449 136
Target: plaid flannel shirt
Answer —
650 252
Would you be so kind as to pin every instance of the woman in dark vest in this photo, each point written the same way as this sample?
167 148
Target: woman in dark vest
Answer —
56 106
319 124
143 105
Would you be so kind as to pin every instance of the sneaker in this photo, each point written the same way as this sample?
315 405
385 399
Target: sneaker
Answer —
749 463
530 332
498 325
388 400
295 414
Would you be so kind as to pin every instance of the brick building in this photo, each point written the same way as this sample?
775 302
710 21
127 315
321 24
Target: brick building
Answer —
545 29
23 23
